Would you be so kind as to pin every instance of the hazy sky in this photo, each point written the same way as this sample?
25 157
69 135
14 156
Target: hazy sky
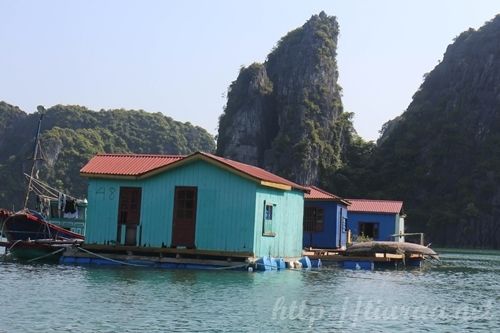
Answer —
179 57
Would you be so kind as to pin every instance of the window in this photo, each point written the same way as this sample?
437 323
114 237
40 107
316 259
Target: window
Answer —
267 228
313 219
368 229
343 224
269 212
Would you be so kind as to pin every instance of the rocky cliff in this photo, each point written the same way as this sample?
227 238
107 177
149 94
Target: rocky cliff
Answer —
442 156
285 115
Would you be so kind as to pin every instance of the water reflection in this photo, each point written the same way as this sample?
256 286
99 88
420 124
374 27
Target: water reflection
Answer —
460 293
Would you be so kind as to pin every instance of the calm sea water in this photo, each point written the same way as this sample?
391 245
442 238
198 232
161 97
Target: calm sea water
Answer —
462 293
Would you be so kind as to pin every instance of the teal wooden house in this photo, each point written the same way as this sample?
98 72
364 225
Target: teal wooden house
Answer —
201 202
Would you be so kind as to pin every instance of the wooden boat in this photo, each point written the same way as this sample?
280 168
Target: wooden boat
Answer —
31 234
30 237
30 225
4 214
44 250
387 247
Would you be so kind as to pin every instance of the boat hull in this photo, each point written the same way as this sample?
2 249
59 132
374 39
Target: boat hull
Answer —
30 226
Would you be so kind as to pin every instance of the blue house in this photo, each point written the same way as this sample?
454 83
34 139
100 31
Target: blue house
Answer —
325 216
376 219
201 203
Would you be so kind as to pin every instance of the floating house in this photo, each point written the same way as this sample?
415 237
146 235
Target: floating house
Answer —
325 217
198 206
376 219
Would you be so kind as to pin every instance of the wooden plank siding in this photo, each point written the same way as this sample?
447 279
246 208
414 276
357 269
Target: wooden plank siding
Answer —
225 209
287 223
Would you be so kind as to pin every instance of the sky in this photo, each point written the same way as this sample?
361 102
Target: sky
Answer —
179 57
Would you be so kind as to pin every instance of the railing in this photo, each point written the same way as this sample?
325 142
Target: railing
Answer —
421 234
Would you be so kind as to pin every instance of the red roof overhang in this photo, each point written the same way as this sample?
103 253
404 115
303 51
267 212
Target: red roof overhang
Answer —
134 166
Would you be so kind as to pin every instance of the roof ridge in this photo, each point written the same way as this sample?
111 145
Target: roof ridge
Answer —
140 155
378 200
231 163
323 191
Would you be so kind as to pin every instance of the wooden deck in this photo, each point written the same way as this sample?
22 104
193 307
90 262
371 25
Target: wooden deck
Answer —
158 256
340 256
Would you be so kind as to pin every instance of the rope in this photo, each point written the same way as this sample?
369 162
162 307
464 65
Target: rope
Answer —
138 265
14 244
47 255
109 259
230 267
50 190
3 225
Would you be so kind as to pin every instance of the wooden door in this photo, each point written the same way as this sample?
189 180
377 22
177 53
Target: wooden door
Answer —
184 221
129 214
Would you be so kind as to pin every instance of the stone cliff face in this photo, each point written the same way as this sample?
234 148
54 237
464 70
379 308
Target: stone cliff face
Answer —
244 120
283 115
442 155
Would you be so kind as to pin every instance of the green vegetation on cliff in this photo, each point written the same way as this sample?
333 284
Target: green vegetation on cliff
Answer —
286 115
442 156
71 135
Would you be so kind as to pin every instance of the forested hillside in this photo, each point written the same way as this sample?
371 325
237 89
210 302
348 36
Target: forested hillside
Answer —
442 156
71 135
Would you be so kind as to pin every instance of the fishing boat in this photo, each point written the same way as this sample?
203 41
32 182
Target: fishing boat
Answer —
58 222
30 237
30 225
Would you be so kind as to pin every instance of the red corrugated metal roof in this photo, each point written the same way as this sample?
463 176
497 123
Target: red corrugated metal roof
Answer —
127 164
255 172
315 193
136 165
375 206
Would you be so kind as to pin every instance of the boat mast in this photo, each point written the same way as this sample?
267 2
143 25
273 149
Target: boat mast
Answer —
35 155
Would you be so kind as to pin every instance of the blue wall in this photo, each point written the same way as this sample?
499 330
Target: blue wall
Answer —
387 223
333 235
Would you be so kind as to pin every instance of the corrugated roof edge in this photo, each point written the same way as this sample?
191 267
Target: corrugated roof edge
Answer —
333 196
399 202
228 162
186 159
180 157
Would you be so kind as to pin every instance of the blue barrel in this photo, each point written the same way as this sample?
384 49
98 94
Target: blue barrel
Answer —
67 260
365 265
316 263
414 263
280 263
306 262
265 264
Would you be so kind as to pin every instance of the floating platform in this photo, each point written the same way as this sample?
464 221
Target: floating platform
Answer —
371 255
180 258
380 260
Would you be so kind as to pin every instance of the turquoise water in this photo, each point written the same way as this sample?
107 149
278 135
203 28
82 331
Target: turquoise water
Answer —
462 293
